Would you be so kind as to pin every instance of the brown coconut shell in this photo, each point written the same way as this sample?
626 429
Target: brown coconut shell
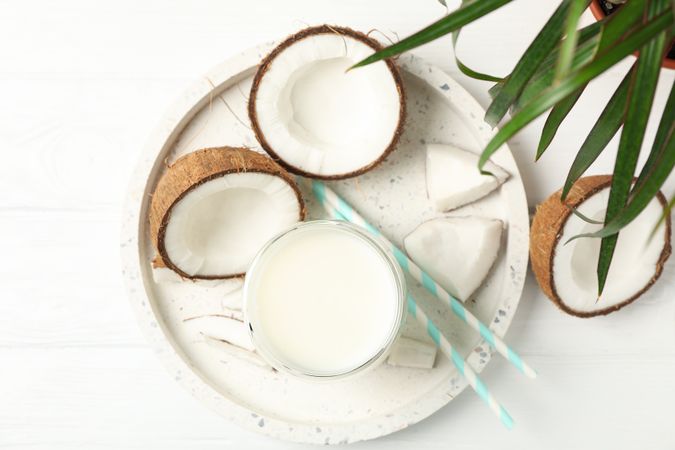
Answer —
197 168
546 231
313 31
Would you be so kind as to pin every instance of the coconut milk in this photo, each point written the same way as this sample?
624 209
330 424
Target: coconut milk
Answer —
323 300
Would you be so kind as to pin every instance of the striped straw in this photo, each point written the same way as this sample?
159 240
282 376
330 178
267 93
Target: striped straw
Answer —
458 361
329 199
449 351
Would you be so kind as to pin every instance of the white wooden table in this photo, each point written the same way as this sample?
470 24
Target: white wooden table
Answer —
82 83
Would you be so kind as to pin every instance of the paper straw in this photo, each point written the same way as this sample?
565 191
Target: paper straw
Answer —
458 361
449 351
329 199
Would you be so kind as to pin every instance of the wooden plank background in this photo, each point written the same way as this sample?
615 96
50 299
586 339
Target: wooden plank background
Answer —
82 83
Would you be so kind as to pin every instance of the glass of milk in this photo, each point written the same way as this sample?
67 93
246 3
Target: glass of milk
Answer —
324 300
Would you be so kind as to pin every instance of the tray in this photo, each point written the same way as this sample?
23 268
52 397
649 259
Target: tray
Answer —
393 196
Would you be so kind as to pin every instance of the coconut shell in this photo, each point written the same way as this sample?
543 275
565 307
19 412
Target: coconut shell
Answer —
546 231
197 168
313 31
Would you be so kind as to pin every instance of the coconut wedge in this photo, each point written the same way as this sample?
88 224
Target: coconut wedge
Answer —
213 209
223 328
453 178
457 252
409 352
567 272
316 118
249 356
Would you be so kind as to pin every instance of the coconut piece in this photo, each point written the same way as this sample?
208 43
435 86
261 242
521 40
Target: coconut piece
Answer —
408 352
227 313
213 209
224 328
318 119
457 252
161 275
238 352
233 300
453 178
164 275
567 272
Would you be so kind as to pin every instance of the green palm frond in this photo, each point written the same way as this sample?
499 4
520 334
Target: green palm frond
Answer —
552 74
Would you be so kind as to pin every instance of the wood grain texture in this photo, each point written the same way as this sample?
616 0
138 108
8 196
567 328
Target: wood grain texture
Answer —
83 83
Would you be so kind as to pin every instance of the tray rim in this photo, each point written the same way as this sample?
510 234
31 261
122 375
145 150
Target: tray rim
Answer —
134 258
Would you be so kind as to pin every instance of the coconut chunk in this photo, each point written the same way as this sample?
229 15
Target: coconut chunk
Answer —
457 252
408 352
233 299
567 273
238 352
222 327
316 118
214 209
453 178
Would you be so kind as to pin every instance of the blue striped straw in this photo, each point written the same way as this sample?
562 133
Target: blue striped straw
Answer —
449 351
329 199
458 361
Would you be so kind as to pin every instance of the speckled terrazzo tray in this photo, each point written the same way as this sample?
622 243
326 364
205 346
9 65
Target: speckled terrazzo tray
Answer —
392 197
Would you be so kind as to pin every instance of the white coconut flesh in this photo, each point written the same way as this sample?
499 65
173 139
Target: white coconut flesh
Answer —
218 227
320 119
633 264
453 178
409 352
457 252
226 329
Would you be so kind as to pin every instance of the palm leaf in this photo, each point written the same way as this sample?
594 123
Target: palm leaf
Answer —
591 31
639 105
495 89
545 77
466 70
569 44
587 49
644 192
655 157
619 24
554 119
540 47
453 21
584 217
593 39
666 212
552 95
565 57
603 131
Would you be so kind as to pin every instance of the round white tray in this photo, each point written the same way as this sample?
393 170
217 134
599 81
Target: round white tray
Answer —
392 197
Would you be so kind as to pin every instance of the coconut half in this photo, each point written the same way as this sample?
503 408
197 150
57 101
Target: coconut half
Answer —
316 118
453 178
457 252
567 272
213 209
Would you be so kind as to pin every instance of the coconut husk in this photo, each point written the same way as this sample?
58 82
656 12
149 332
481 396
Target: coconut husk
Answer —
194 169
546 232
313 31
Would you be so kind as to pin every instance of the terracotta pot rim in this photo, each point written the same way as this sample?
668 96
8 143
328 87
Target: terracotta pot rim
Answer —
599 14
